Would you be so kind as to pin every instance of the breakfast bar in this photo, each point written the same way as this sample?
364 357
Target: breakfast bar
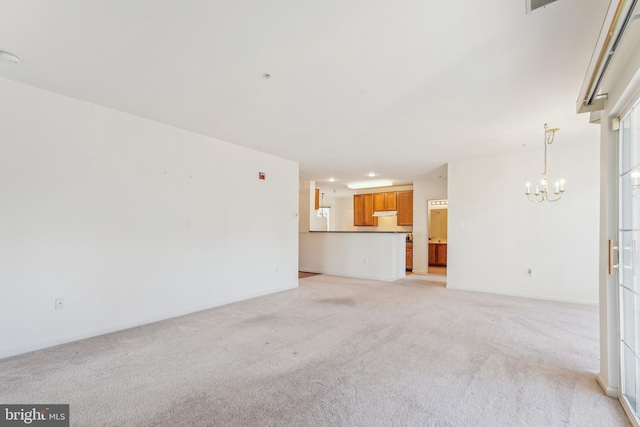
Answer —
360 254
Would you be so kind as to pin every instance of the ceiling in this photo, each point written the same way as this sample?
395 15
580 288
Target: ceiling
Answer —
357 86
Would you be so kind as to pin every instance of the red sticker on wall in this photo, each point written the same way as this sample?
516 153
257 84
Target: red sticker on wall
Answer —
261 175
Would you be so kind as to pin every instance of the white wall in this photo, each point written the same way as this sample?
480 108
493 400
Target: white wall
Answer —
321 223
496 234
343 214
306 204
377 256
423 191
129 220
341 204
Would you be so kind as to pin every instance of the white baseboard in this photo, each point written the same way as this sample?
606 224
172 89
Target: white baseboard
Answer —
354 276
14 351
609 391
523 295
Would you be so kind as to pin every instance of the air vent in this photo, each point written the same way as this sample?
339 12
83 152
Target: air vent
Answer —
537 4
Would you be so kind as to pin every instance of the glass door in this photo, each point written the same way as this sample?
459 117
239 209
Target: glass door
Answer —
629 259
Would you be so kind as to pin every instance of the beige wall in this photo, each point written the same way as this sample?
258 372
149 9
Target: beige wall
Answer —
438 224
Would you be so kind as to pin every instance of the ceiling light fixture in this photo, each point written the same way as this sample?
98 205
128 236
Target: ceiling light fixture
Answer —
371 175
332 180
532 5
542 194
9 57
370 184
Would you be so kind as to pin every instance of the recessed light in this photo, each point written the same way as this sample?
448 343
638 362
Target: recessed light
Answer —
332 180
9 57
371 175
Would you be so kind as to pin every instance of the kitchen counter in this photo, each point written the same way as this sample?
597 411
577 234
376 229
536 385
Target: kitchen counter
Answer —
361 232
361 254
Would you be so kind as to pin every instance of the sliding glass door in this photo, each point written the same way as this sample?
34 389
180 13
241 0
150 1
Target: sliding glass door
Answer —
629 259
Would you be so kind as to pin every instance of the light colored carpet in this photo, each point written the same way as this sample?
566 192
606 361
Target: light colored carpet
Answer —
335 352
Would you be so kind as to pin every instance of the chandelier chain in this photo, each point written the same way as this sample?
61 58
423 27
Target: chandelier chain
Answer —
548 140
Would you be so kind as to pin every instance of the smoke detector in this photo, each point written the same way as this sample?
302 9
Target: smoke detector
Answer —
9 57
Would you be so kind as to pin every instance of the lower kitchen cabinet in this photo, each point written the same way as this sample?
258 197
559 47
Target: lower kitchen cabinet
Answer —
409 256
438 254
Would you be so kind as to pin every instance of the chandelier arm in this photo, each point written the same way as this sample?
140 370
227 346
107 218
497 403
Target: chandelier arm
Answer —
536 199
558 196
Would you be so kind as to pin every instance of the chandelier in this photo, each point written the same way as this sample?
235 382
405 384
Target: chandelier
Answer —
542 190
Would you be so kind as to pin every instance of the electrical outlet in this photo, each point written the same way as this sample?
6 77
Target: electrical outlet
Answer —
530 272
59 303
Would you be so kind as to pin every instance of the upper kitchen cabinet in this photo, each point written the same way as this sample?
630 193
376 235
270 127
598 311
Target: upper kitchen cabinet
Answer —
363 210
385 201
405 208
317 204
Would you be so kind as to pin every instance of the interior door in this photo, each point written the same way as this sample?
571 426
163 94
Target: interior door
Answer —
628 258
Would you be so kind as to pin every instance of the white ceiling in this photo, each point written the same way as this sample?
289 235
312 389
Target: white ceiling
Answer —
398 88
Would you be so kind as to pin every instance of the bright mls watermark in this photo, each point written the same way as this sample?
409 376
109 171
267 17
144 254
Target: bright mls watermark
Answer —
34 415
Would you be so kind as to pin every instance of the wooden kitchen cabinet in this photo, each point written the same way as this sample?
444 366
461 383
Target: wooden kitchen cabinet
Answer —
405 208
432 254
385 201
317 199
438 254
409 257
363 210
391 201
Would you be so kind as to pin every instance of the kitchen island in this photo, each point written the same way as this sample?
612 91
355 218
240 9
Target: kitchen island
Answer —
360 254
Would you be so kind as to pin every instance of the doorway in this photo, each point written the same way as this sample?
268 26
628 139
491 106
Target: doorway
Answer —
437 232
